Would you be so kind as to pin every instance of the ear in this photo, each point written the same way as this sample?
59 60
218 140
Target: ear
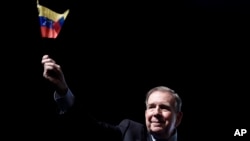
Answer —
145 112
178 118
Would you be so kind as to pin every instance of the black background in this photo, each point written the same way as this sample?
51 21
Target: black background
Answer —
112 53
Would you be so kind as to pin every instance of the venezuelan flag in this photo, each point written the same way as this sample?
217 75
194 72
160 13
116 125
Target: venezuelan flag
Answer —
50 22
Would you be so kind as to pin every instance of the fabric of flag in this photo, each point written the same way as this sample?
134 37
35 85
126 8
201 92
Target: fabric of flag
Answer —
50 22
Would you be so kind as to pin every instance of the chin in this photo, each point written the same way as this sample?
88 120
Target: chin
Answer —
157 129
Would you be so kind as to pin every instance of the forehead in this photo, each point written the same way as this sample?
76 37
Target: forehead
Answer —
160 97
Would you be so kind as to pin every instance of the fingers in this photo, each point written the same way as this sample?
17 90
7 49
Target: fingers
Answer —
45 56
52 71
49 65
47 59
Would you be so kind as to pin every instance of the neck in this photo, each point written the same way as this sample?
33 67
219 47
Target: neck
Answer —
171 137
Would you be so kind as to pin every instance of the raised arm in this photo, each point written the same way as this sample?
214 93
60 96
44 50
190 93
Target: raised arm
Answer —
54 74
65 100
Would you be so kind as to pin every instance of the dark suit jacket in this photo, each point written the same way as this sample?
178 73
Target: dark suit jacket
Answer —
81 127
127 130
133 131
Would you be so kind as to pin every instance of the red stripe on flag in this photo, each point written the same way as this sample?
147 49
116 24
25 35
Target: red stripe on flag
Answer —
48 32
57 26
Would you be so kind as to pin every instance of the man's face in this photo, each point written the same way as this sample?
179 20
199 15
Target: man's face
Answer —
161 118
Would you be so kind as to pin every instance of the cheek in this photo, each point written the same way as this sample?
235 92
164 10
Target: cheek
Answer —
147 120
148 116
167 116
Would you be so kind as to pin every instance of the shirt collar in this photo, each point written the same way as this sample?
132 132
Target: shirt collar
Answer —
173 137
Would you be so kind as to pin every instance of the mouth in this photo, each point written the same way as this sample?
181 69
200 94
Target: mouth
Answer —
156 125
157 121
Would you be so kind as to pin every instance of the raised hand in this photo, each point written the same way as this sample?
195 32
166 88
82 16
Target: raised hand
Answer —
54 74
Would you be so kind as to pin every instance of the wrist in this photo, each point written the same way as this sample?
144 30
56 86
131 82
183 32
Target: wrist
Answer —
62 90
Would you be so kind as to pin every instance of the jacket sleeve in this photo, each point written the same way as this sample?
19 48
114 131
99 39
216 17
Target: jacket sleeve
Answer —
64 103
75 118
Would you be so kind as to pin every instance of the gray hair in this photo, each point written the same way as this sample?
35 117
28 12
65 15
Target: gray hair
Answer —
178 101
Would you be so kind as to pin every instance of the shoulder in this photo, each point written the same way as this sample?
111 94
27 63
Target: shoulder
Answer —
127 123
130 122
132 129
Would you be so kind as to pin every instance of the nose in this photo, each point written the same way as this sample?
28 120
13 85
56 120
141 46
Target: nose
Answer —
157 111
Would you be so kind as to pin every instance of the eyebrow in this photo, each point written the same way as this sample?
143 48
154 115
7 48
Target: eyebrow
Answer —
162 104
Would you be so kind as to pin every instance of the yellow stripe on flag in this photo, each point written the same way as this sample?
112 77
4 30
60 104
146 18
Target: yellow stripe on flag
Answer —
54 16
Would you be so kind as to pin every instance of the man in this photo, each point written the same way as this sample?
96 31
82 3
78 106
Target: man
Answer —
162 115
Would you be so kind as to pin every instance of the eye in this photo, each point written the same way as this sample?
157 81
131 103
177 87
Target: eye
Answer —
165 107
150 106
